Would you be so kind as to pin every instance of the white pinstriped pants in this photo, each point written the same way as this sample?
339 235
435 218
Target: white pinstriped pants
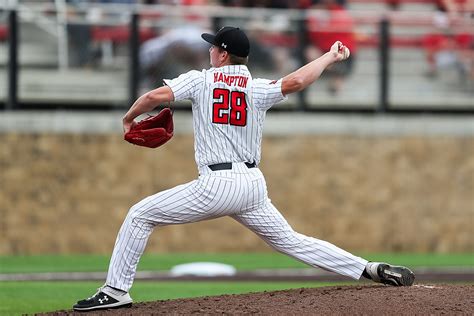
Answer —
240 193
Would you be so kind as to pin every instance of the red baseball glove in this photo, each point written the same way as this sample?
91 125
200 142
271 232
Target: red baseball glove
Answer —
153 131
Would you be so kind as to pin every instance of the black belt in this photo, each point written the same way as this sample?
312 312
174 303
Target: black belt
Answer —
228 166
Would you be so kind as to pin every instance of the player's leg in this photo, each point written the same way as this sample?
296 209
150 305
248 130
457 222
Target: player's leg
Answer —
208 197
212 195
164 208
130 245
268 223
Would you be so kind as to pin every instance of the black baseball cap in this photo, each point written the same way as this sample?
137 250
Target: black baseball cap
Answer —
230 39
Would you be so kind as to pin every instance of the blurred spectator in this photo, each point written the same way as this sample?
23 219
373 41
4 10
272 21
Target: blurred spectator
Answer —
465 55
393 4
116 1
244 3
315 3
176 2
275 4
450 44
324 30
82 50
267 52
168 54
455 7
271 4
79 36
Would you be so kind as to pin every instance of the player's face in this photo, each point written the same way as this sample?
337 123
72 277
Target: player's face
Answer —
213 54
217 56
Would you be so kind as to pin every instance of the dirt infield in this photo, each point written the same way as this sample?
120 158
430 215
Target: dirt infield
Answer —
420 299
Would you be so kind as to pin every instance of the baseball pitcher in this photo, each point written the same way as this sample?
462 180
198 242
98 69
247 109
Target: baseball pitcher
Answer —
228 107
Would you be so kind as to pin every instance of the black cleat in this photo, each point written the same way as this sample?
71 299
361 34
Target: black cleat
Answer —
101 300
391 275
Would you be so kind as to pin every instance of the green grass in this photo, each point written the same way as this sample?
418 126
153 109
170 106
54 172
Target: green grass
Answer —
242 261
19 298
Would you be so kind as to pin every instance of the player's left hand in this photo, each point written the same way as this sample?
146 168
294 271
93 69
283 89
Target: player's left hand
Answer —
340 51
151 132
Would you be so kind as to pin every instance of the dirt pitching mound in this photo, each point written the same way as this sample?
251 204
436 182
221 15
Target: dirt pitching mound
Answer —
348 300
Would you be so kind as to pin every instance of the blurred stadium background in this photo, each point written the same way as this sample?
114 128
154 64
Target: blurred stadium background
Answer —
376 156
405 53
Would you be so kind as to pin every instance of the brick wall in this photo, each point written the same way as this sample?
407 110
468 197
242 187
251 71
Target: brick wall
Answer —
68 193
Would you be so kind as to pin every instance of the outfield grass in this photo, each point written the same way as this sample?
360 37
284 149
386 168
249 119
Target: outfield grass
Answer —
19 298
242 261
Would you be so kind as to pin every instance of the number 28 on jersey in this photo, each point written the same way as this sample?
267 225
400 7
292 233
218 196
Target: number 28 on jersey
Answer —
229 107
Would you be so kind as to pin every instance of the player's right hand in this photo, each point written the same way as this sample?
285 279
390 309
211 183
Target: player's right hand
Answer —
128 125
340 51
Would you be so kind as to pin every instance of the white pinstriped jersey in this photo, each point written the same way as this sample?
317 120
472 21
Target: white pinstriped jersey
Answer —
229 109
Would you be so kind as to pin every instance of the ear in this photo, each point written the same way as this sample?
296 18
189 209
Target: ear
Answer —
224 54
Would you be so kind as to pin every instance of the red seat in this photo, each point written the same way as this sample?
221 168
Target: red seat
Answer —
3 33
398 42
119 34
279 39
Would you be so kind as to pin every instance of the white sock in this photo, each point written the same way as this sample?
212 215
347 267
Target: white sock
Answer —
371 269
113 291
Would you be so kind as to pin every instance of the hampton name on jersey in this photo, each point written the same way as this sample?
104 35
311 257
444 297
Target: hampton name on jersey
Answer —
229 109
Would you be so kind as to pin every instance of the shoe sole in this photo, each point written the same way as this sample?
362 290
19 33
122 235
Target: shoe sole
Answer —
395 275
94 308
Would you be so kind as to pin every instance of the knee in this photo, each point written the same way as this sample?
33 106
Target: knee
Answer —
134 213
287 240
140 226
